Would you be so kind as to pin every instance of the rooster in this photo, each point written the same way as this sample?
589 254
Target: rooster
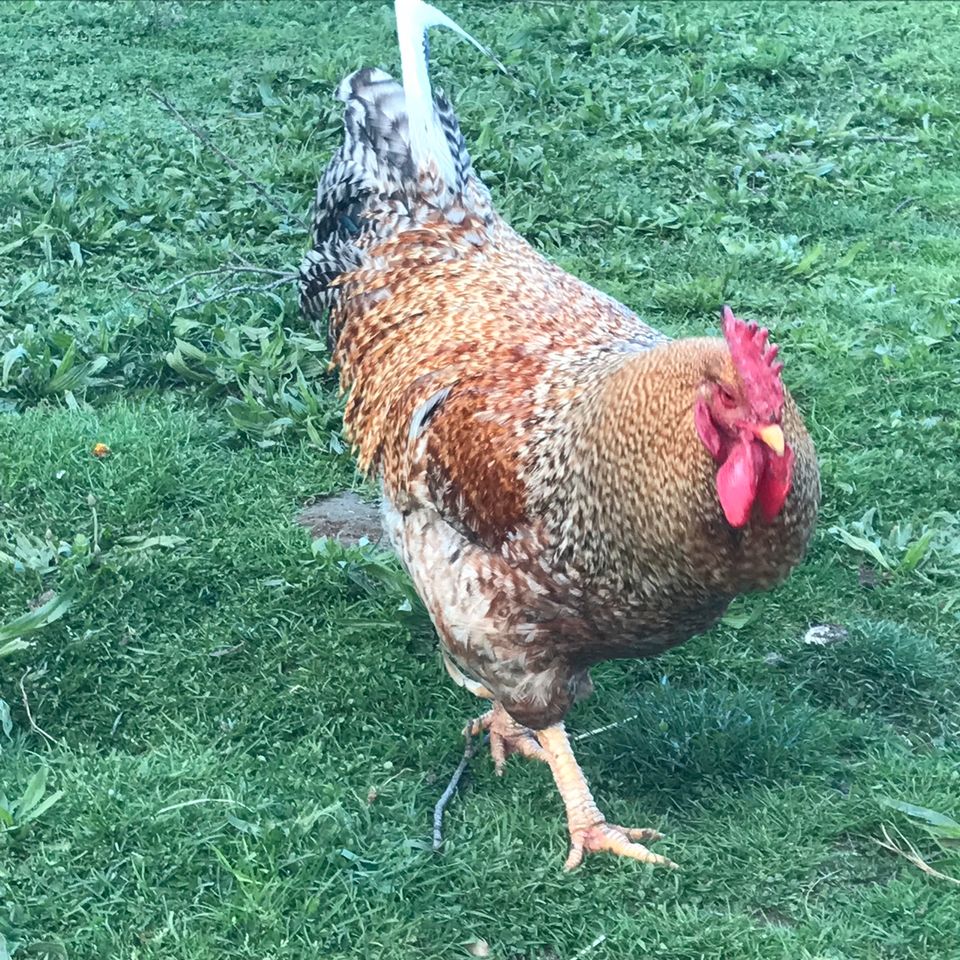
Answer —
564 483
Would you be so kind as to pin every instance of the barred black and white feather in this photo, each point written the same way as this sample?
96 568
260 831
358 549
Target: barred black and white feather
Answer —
402 157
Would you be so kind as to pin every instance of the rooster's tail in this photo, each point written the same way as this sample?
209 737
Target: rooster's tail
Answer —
399 142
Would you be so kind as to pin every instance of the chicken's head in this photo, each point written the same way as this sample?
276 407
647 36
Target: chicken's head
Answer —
739 423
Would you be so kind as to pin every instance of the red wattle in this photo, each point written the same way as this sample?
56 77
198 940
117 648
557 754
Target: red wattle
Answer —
775 484
737 481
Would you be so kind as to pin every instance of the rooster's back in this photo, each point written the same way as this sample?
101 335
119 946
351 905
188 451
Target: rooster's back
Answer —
429 294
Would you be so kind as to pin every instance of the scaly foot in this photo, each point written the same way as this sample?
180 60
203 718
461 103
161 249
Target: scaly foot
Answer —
506 737
604 837
589 830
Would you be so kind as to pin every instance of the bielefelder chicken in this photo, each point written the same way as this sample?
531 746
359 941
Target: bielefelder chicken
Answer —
564 483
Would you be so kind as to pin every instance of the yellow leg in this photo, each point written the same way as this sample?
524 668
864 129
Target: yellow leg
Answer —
589 830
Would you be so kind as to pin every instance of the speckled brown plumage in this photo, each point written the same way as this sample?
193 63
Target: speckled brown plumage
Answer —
543 480
563 483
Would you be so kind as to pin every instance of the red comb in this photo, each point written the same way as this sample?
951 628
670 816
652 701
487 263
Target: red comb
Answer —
755 360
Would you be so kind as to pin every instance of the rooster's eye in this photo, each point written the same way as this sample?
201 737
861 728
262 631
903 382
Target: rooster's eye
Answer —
726 397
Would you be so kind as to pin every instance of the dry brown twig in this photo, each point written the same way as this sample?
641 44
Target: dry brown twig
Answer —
887 138
206 140
26 706
468 751
243 264
911 855
234 292
600 938
242 267
225 269
607 726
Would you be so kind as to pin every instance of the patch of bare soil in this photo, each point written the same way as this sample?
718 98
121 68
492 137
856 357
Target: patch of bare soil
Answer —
343 517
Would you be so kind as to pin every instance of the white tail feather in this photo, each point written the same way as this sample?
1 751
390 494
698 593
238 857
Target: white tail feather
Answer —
427 139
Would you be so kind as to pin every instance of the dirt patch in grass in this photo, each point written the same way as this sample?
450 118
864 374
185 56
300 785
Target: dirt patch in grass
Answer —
343 517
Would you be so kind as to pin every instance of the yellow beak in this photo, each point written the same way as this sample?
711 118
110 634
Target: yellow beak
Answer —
772 436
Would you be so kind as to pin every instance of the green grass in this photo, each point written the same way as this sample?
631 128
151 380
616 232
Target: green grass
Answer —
249 738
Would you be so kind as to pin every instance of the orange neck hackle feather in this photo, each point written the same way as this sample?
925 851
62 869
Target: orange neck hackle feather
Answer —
641 462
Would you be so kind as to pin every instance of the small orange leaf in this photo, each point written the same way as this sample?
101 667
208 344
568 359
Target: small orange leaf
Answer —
100 450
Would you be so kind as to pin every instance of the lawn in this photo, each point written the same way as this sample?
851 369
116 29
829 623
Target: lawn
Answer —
226 741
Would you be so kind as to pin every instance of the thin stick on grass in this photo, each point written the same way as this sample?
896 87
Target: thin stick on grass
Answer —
911 855
242 268
886 138
605 728
243 264
235 291
34 726
590 946
228 270
92 504
468 751
225 269
206 140
62 145
198 800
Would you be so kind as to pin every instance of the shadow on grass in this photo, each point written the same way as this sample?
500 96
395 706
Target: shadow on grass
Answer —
689 744
828 705
881 670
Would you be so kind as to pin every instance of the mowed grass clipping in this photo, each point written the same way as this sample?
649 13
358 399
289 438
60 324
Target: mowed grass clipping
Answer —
235 737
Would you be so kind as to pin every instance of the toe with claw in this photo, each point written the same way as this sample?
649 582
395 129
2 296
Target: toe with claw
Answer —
604 837
506 737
